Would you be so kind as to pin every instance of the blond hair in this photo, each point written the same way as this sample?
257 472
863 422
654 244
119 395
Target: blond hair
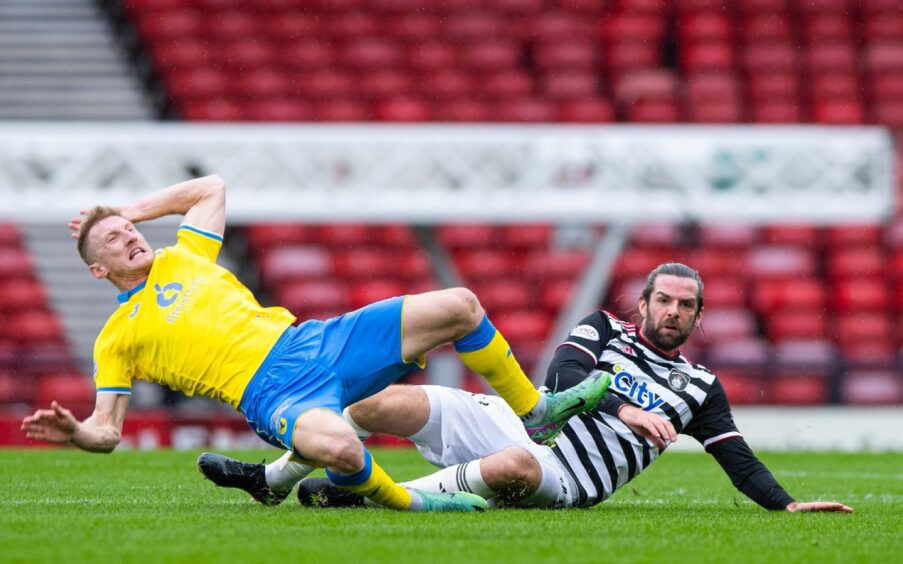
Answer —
90 219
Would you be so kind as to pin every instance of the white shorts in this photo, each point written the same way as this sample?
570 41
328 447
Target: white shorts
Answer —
463 426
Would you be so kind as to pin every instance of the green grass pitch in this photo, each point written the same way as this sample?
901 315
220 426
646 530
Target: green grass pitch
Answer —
67 506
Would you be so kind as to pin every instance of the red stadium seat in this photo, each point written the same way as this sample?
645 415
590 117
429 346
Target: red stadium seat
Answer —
587 110
545 265
855 236
835 87
848 112
295 263
807 324
777 112
724 292
855 262
872 387
247 54
728 111
488 55
526 236
325 83
394 236
859 294
181 53
624 58
750 353
808 294
291 26
262 237
18 294
371 53
74 391
841 7
347 235
505 85
351 25
504 295
341 110
800 235
432 55
798 389
485 264
384 83
704 25
564 55
15 389
230 26
638 262
402 108
885 56
805 354
726 236
526 110
307 54
467 236
212 109
35 326
771 86
708 56
472 27
767 26
827 28
717 262
413 27
367 292
770 57
570 86
729 324
653 111
200 82
306 295
262 84
555 294
278 110
462 110
9 235
884 27
780 262
632 27
523 325
558 26
741 387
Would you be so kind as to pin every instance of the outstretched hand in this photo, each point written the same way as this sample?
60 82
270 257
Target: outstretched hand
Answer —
658 430
54 425
811 506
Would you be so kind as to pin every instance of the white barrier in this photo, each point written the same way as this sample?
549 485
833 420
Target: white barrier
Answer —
816 429
433 173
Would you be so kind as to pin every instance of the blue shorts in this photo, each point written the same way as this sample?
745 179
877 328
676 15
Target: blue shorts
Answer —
327 364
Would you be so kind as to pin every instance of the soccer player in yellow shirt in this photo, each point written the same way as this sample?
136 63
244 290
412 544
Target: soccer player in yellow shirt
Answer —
189 324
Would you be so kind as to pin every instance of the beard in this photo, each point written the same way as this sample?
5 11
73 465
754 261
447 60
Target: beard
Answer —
665 342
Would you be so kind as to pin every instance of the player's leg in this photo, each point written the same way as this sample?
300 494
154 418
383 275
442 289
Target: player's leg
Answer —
455 315
324 437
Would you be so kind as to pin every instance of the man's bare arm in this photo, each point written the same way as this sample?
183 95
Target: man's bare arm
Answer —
202 201
100 432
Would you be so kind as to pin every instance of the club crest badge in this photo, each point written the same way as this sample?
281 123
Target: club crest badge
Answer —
677 380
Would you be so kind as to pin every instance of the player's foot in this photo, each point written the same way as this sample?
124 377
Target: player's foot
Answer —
227 472
563 405
320 492
460 502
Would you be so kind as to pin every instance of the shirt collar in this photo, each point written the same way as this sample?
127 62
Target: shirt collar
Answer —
124 297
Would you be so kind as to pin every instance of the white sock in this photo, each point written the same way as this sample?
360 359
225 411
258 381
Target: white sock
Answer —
459 478
546 494
536 414
284 473
362 433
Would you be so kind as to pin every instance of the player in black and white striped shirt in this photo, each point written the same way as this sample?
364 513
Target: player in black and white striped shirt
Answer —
655 393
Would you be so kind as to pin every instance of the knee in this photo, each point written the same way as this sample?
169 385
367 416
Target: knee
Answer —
344 454
465 308
516 465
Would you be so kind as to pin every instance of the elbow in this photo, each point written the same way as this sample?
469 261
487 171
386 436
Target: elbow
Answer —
215 184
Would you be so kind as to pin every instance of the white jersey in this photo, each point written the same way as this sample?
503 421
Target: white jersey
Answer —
602 453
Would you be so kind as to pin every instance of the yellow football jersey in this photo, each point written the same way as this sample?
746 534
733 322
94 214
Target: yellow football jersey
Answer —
191 326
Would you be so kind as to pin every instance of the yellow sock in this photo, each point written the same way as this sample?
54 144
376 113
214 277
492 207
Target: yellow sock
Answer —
373 482
486 352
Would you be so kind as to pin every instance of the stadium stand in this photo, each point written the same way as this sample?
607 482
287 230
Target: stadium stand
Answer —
795 314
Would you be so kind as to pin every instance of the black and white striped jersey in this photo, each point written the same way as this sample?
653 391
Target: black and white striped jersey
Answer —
601 452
